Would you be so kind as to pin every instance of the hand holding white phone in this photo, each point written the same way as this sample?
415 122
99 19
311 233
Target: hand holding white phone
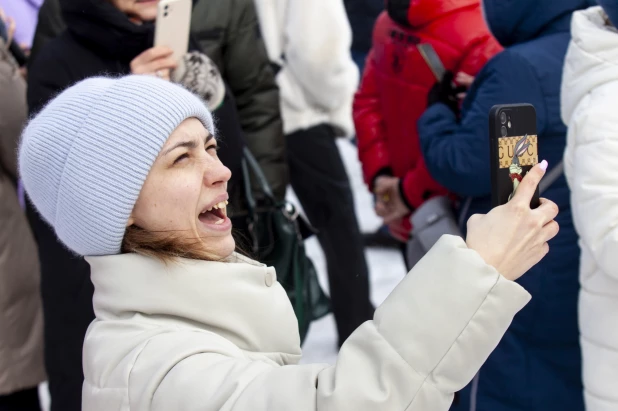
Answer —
172 26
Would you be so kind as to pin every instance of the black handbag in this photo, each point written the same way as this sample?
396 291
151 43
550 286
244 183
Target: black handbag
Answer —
277 234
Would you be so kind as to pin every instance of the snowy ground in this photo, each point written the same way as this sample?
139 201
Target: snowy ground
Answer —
386 270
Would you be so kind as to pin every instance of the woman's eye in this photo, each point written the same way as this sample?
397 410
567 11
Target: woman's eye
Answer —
212 147
180 158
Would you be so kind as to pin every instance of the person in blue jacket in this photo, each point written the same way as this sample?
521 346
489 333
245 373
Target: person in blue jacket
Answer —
537 365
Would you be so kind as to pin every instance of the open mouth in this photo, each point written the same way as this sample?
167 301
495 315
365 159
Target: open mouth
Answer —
216 215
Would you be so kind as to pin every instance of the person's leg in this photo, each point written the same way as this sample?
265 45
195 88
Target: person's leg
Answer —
320 181
25 400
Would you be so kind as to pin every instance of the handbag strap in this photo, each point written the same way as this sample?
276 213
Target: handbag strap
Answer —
259 174
250 163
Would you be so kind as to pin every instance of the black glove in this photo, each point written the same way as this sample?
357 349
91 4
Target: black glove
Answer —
445 92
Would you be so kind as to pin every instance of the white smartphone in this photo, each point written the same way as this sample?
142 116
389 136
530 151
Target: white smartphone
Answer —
173 25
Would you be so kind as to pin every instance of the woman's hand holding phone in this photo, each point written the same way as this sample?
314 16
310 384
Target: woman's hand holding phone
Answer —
157 61
513 237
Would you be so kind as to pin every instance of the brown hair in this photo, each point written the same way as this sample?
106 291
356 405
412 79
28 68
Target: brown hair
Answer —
162 245
165 246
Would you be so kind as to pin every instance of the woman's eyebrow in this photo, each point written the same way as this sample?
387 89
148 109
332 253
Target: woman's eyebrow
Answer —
188 144
185 144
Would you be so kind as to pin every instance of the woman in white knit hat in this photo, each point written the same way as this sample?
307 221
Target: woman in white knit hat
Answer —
131 180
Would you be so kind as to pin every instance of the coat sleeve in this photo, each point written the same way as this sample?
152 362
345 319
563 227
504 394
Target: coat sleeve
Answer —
13 111
321 61
247 70
369 124
593 180
426 341
457 152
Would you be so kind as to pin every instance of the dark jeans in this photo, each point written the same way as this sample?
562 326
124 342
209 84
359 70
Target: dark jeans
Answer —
26 400
320 181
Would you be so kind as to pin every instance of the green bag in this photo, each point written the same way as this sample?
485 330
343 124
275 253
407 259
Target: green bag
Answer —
278 232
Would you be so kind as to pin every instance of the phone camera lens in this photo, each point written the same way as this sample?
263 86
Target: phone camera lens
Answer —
165 14
503 131
503 117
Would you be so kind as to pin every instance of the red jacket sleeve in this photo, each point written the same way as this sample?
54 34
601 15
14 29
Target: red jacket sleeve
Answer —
369 124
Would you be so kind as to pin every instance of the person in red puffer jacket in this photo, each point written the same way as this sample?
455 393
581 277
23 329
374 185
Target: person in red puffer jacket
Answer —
394 93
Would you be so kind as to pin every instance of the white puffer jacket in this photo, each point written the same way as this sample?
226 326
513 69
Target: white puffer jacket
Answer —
210 336
590 109
310 41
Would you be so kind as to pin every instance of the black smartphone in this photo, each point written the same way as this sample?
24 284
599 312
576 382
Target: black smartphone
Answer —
513 147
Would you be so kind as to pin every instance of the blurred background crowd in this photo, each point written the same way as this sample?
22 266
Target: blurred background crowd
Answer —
291 80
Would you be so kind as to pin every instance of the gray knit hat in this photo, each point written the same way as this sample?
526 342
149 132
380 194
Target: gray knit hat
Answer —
84 158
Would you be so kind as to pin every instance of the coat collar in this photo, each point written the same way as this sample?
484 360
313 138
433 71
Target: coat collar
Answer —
238 299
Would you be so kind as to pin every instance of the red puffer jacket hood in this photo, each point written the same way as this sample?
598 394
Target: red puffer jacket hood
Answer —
417 13
397 80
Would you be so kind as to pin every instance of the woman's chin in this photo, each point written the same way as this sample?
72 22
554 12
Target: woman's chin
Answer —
222 247
147 12
217 238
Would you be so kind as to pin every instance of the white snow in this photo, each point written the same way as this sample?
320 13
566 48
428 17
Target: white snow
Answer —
386 269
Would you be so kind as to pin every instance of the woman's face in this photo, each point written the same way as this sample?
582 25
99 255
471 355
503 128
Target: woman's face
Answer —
186 192
142 10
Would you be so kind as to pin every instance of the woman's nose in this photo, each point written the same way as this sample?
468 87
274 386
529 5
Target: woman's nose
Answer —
217 174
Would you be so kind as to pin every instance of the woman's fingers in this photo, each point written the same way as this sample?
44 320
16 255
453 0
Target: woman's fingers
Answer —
153 60
153 53
548 210
527 187
549 231
161 64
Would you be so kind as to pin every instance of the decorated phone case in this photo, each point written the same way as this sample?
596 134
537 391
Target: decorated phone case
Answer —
513 149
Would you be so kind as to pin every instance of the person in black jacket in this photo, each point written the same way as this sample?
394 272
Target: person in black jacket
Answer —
116 38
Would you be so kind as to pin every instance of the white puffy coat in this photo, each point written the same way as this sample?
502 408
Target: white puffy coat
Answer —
589 108
196 335
310 41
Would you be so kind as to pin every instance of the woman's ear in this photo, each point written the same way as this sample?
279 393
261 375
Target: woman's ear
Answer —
130 221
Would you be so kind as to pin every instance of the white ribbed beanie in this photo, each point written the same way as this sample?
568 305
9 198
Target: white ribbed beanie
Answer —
84 158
